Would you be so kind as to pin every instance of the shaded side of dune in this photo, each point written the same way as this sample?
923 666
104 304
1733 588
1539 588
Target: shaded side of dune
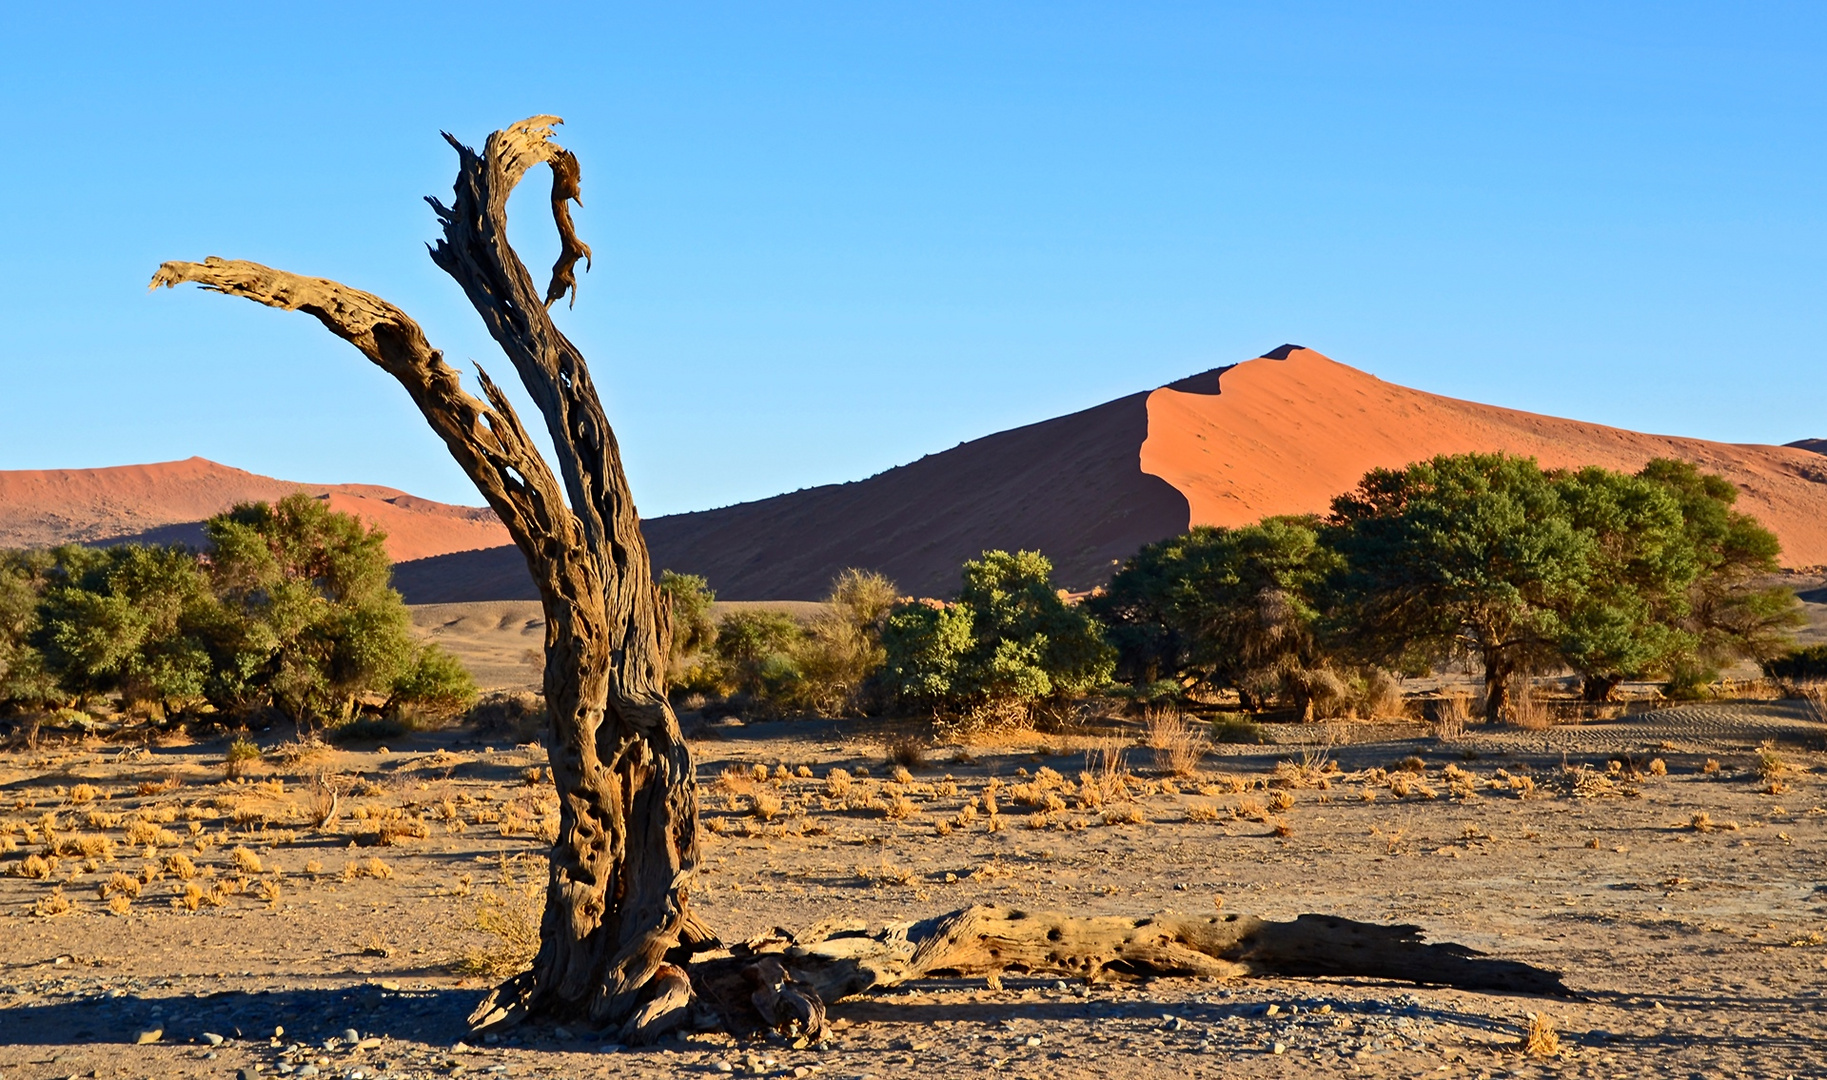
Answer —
1071 487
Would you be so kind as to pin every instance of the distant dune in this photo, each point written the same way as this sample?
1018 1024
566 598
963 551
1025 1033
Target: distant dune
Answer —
168 502
1279 434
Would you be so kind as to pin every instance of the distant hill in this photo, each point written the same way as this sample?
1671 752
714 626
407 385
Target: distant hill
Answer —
167 502
1279 434
1818 446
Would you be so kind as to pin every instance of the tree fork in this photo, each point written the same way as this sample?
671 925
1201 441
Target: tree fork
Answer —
617 897
619 945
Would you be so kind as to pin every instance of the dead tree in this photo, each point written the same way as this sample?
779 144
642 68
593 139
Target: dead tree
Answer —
619 946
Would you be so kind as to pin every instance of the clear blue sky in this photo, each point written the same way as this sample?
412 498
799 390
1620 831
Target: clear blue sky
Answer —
833 237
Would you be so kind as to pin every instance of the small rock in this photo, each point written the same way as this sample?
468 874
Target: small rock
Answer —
1271 1010
562 1033
306 1070
212 1038
1034 1040
387 984
1279 1048
350 1035
723 1066
150 1035
368 1044
279 1033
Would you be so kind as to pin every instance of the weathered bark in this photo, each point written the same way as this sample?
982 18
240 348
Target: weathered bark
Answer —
781 983
616 903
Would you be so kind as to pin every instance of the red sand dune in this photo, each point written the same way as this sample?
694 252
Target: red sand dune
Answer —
168 501
1280 434
1285 436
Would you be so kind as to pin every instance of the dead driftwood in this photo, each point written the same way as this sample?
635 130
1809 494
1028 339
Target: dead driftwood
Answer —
620 948
781 982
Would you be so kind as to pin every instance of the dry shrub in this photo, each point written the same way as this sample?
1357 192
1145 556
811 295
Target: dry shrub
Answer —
837 783
1658 767
1236 728
1379 697
1202 812
246 861
147 834
122 884
1527 710
83 793
736 780
53 904
371 867
898 807
1813 696
1282 828
907 753
1770 764
900 775
1037 821
765 805
1178 745
242 755
1127 814
1281 801
36 867
517 714
179 866
1541 1040
511 923
1450 714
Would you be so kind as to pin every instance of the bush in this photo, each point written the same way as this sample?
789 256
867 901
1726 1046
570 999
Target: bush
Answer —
437 686
1010 643
1798 665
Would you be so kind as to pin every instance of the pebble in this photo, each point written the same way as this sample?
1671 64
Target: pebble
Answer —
350 1035
307 1070
212 1038
1034 1040
723 1066
1271 1010
149 1035
1280 1048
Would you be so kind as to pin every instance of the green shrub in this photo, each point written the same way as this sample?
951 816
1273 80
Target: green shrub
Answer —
1809 662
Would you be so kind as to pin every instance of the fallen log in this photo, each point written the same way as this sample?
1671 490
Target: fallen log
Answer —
782 982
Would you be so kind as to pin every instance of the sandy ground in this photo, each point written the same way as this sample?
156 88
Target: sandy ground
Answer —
1688 908
501 642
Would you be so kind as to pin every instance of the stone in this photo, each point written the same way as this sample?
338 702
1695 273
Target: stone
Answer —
350 1035
212 1038
1279 1048
149 1035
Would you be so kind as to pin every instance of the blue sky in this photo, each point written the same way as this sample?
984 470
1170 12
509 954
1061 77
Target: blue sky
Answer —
833 237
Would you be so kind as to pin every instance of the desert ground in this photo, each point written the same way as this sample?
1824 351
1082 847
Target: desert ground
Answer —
1672 863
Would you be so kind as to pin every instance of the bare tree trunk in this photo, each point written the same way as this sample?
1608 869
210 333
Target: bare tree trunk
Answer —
619 945
616 904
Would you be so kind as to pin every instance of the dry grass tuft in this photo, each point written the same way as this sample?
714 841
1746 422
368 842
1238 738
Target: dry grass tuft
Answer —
1178 745
898 807
1541 1041
1202 812
53 904
242 755
765 805
246 861
907 753
1658 767
1126 814
83 793
511 923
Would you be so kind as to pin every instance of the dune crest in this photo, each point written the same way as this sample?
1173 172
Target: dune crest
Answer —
1283 436
167 502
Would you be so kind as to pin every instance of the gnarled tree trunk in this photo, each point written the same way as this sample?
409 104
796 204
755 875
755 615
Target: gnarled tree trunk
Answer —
627 845
619 945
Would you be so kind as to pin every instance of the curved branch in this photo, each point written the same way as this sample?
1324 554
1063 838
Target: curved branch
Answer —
488 441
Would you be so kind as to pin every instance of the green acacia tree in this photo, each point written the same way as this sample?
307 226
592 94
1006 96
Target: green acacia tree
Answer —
1220 607
23 678
1465 553
130 619
1734 609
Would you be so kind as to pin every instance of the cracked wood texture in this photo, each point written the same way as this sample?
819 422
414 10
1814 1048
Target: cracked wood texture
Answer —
781 982
616 902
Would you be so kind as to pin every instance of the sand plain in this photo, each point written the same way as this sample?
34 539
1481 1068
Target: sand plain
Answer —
1686 901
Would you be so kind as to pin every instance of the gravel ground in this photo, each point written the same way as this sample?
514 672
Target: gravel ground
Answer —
1689 908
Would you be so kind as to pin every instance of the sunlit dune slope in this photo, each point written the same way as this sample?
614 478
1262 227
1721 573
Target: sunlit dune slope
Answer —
167 502
1285 435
